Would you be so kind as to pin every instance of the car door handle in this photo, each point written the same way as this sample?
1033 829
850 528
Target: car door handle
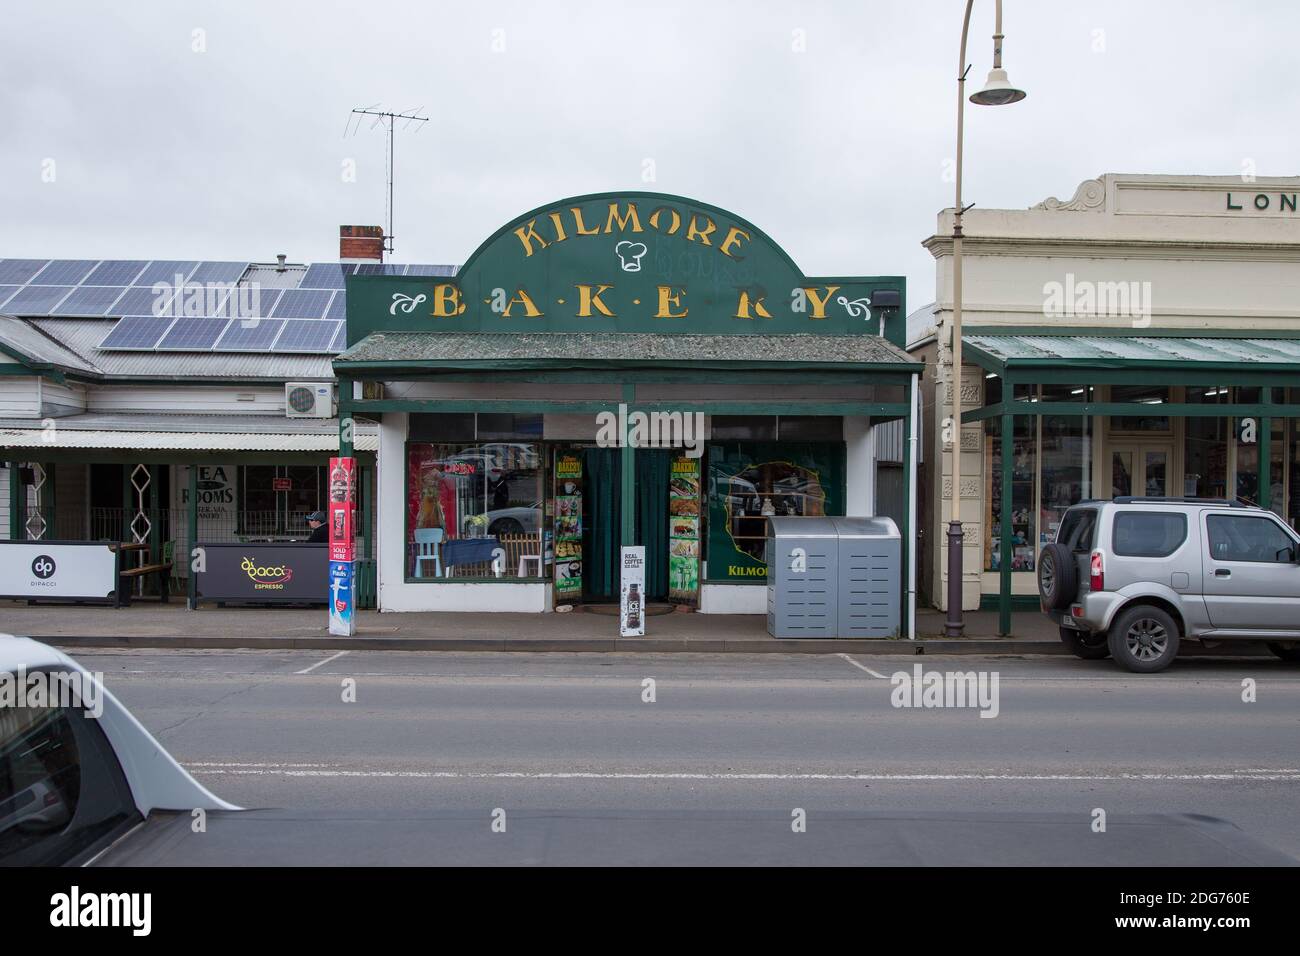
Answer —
1222 573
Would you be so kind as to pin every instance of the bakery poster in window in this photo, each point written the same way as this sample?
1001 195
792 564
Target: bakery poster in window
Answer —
684 531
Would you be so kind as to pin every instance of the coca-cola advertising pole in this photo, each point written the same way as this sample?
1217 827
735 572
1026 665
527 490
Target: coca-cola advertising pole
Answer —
342 567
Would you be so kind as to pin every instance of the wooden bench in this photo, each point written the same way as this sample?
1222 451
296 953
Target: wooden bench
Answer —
162 569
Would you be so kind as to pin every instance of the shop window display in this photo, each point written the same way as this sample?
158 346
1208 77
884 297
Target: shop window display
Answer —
1024 465
752 481
473 510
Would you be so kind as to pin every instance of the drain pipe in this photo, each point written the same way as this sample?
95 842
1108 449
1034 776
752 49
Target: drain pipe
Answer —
913 412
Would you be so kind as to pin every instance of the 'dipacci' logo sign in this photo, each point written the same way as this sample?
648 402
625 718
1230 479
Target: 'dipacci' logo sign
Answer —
43 566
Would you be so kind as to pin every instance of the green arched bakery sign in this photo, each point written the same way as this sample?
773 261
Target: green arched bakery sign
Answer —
628 262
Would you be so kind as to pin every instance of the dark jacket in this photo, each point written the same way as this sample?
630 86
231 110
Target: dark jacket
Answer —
320 535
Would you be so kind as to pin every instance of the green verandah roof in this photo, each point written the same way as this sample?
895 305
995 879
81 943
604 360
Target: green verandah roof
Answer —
1009 351
596 349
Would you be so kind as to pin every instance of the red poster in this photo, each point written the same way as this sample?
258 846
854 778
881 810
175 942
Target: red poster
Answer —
343 496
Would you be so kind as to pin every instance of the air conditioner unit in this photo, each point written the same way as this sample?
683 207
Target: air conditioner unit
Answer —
309 400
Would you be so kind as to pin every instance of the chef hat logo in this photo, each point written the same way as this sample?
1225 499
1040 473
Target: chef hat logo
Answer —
629 254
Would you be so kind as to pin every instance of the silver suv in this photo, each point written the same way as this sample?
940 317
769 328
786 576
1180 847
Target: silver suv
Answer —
1130 578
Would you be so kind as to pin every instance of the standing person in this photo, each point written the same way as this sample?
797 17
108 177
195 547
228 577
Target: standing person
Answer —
320 533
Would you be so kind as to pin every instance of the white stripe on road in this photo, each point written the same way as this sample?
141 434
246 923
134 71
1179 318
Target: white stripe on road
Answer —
862 667
308 670
326 770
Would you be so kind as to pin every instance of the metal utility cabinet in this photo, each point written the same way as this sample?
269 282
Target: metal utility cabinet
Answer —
833 577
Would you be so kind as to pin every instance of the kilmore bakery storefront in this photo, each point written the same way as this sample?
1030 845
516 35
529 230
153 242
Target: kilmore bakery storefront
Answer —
1139 338
610 370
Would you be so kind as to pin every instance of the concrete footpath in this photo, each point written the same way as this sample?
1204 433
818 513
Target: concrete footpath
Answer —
171 625
147 624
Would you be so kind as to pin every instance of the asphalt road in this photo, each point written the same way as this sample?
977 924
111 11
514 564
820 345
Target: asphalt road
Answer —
474 732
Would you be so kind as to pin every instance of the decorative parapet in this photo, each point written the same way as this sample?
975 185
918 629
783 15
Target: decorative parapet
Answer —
1089 197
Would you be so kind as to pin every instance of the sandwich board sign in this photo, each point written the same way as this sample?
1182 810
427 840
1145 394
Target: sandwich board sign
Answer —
631 617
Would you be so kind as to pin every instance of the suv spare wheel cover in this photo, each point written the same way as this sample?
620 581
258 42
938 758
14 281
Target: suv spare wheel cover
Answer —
1058 578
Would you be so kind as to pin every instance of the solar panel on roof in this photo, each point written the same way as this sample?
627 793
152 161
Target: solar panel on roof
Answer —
218 272
64 272
245 304
249 335
327 275
6 291
137 332
306 335
36 299
427 269
115 272
141 300
89 300
340 340
338 306
20 270
372 269
194 334
303 304
165 270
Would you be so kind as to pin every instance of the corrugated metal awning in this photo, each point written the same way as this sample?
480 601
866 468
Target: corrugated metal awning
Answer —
183 433
1002 350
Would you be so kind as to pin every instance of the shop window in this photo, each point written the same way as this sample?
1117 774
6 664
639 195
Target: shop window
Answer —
474 510
810 428
1024 469
276 500
1066 469
1205 445
1153 395
1293 463
743 427
752 481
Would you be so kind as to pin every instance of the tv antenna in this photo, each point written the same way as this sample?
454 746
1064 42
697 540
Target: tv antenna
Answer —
387 120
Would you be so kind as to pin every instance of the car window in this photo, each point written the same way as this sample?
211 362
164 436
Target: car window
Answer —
61 787
1148 534
1248 538
1078 528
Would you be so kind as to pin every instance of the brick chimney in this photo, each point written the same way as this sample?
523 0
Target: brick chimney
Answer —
361 243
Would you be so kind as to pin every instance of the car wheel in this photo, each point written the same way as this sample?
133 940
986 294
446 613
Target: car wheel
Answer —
1287 653
1058 578
1088 647
1143 639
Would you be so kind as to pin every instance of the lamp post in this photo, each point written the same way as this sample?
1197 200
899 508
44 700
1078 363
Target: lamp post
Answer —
997 91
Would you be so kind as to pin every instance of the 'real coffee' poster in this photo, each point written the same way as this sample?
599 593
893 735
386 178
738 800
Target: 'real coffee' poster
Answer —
568 526
684 531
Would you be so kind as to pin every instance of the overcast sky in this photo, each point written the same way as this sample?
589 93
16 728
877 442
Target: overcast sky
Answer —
827 124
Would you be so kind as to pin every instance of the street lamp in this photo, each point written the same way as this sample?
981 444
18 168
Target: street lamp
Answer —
997 91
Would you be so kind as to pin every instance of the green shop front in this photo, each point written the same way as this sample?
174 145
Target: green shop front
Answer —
612 370
1073 414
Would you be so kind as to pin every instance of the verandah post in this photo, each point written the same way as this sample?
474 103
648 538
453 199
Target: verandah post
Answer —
192 537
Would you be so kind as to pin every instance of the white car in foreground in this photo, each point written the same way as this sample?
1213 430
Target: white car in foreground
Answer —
77 771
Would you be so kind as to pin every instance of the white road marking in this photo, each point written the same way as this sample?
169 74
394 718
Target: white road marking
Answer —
327 770
308 670
862 667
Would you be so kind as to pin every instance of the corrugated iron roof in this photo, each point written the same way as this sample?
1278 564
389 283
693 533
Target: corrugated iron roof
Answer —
1104 351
